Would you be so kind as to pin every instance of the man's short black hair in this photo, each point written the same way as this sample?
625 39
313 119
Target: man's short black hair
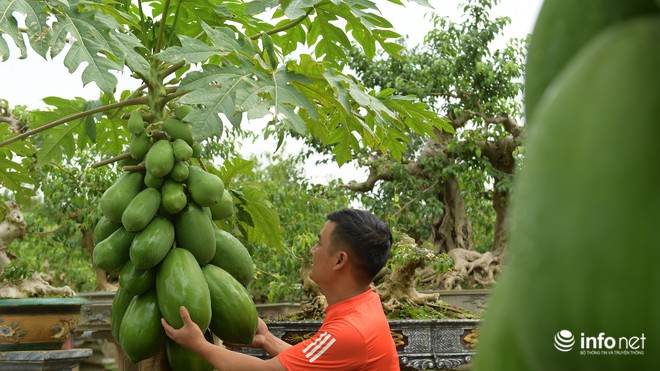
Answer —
366 235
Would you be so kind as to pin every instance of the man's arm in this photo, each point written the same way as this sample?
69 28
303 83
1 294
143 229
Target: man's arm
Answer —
191 337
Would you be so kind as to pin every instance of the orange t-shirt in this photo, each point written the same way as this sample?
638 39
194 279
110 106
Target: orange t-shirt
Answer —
355 335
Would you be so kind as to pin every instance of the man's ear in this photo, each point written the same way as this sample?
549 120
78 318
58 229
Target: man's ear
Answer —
342 259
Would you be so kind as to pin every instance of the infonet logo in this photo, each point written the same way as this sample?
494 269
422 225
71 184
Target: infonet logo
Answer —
601 344
564 341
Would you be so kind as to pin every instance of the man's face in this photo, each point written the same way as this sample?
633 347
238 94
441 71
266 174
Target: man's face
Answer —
322 258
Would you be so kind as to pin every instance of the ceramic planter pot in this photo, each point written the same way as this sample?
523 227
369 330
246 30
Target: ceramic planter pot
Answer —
37 323
421 344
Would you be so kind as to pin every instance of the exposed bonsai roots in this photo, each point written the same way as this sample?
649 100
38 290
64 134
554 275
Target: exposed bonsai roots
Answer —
471 269
34 286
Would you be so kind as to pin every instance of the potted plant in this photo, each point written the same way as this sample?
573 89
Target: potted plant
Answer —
37 318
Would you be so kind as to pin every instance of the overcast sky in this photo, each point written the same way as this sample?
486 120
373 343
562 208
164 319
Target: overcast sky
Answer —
28 81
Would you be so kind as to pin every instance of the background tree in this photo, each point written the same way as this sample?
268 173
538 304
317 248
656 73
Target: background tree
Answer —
452 189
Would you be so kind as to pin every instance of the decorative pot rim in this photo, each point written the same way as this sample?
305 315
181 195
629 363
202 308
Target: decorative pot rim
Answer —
42 301
425 321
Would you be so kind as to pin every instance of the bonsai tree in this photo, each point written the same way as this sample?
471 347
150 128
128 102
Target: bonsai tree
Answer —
453 188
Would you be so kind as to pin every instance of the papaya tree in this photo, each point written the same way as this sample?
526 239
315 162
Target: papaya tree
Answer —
229 63
222 59
452 189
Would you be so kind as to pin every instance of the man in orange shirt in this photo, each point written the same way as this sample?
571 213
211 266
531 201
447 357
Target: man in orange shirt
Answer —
353 247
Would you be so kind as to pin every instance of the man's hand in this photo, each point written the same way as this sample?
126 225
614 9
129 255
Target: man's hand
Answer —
189 336
259 339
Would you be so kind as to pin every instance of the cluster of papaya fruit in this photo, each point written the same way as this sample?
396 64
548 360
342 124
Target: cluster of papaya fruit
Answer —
583 243
158 232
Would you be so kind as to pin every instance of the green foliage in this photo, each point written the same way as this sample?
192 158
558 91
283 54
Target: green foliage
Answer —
458 73
405 249
57 221
229 64
302 207
13 169
242 56
430 311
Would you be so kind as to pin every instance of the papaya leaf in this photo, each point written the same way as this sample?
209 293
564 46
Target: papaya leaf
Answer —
124 44
289 39
260 6
285 97
366 27
297 8
338 87
266 222
191 51
61 140
420 2
35 22
237 166
13 177
4 50
92 44
341 138
216 99
228 40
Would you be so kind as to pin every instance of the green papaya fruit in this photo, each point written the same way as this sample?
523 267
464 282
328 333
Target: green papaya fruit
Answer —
178 129
103 229
179 172
233 257
583 241
141 333
196 233
179 281
115 199
135 123
182 150
120 302
152 244
153 181
139 145
182 359
134 280
113 252
206 189
181 112
197 150
173 196
224 208
235 317
159 161
141 210
562 28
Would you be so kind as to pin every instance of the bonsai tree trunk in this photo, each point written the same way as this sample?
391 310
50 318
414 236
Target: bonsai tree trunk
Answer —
398 288
12 227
